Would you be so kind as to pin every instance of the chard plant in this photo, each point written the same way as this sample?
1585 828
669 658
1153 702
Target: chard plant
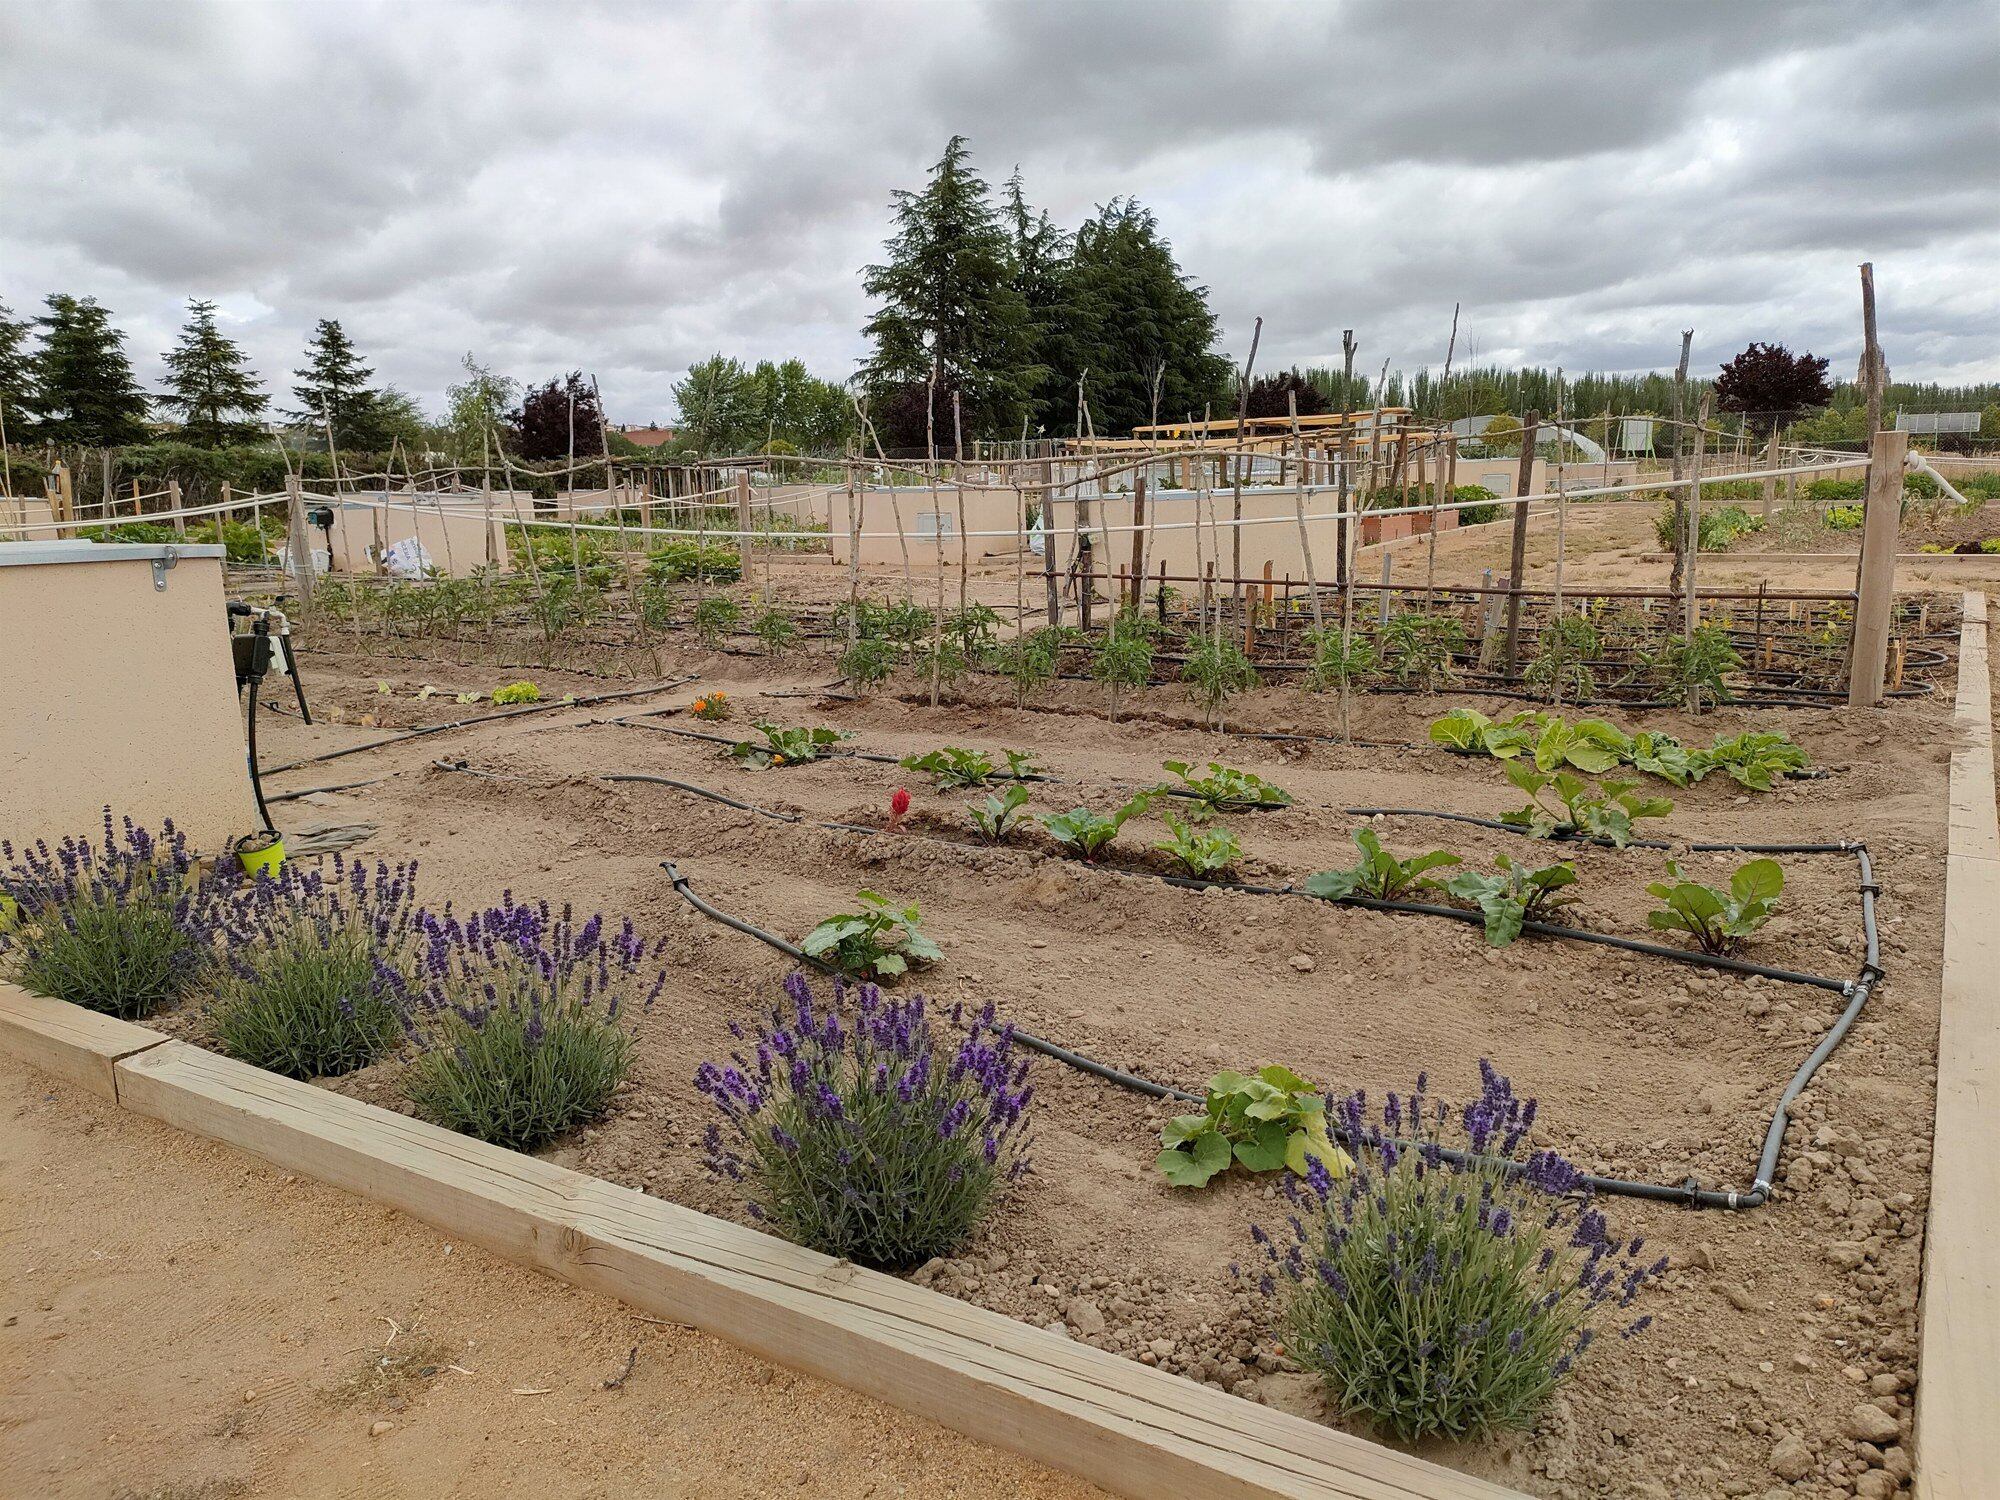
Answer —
1224 788
1380 875
880 941
1267 1121
876 1141
785 747
1199 851
995 817
955 768
517 1020
1466 731
1718 920
1518 894
124 924
313 974
1087 834
1447 1295
1581 809
1661 755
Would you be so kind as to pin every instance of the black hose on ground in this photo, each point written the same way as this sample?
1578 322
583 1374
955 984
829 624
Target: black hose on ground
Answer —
1689 1194
505 713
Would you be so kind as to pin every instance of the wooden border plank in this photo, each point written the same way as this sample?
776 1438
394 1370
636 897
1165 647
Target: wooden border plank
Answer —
1958 1386
1134 1430
66 1041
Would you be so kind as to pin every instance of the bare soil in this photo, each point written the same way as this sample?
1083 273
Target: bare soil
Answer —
185 1323
1773 1324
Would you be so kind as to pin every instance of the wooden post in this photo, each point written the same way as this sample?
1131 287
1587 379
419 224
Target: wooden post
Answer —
1517 556
743 522
1138 537
65 499
174 505
1879 529
298 539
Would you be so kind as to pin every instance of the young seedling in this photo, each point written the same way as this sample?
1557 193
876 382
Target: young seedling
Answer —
1123 660
1200 852
785 747
1085 833
956 768
995 816
1516 895
1718 921
1225 789
1380 875
880 941
1273 1119
1585 809
1216 670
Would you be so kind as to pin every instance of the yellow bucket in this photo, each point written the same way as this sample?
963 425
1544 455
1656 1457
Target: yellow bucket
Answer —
268 860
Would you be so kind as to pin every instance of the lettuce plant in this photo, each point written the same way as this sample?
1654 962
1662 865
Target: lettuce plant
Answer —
1200 852
1718 920
1379 875
1447 1296
785 747
517 692
1516 895
994 817
875 1141
881 940
124 924
1584 809
1268 1120
1085 833
1224 788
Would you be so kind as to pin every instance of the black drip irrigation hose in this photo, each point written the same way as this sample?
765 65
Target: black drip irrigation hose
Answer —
1689 1194
505 713
339 786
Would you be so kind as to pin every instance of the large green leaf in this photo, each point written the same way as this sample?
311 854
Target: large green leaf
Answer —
1208 1155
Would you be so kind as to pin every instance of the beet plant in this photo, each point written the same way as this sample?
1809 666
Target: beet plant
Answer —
995 817
1517 895
313 974
1605 811
123 924
1200 852
955 767
1718 920
1447 1290
1224 788
517 1020
873 1141
1380 875
1087 834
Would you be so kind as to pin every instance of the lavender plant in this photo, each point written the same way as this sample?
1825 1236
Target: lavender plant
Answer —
123 924
1447 1293
516 1017
868 1141
313 976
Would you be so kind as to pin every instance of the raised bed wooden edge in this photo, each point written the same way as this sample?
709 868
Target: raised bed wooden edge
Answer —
1130 1429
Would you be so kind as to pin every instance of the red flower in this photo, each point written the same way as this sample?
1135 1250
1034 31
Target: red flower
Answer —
899 803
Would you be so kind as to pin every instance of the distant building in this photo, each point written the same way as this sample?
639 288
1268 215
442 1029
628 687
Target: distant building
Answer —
647 437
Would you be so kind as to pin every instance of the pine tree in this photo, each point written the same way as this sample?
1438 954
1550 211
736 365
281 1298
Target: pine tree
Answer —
16 375
1041 257
210 383
84 390
950 303
1129 317
333 386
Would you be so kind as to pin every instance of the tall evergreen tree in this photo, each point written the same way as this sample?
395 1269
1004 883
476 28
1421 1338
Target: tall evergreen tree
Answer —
1041 256
1129 317
210 383
333 386
949 303
16 375
84 390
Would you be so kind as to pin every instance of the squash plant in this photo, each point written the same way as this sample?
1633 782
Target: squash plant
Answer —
1718 920
1593 810
1516 895
1380 874
880 941
1265 1121
785 747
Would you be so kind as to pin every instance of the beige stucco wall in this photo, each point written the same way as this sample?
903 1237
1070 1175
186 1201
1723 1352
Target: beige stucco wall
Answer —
991 510
455 542
24 519
117 693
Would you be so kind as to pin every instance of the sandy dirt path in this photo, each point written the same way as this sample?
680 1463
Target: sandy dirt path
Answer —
182 1322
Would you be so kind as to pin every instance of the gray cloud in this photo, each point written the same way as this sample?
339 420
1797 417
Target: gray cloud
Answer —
627 189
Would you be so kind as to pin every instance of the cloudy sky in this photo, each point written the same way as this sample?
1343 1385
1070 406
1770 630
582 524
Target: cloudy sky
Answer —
627 188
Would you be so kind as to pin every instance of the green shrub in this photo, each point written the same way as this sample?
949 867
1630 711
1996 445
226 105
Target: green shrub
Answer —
1447 1294
714 618
868 661
869 1140
676 562
1845 517
1417 648
1124 658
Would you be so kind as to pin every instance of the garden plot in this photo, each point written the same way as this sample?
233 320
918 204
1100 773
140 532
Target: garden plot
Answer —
1772 1325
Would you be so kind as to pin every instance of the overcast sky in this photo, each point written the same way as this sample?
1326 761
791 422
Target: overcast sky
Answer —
626 189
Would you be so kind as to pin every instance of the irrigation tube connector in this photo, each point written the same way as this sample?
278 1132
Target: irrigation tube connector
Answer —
1690 1193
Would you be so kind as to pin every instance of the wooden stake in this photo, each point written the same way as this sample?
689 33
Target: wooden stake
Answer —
1517 555
1886 454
